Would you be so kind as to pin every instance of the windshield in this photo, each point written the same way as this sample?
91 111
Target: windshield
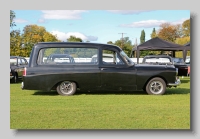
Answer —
178 61
126 58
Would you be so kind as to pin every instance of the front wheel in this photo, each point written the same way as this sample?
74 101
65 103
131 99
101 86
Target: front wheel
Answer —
156 86
66 88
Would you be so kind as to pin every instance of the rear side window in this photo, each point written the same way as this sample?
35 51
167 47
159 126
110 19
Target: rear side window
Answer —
73 56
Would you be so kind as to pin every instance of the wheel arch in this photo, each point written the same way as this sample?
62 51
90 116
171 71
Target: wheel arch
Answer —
157 76
55 85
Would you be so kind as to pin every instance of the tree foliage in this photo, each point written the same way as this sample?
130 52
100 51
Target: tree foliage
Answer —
182 40
127 47
48 37
153 34
168 32
110 42
33 34
186 28
21 43
74 39
142 37
12 17
15 43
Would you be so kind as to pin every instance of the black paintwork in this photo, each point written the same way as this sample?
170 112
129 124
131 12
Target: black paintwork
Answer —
127 77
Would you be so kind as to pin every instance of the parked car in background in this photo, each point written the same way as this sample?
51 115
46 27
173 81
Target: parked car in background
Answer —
134 59
158 60
60 58
187 60
181 65
109 69
165 59
17 65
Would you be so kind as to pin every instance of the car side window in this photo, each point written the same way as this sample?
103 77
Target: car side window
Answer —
110 57
68 56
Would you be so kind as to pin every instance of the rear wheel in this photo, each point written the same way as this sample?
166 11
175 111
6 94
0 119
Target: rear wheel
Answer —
156 86
66 88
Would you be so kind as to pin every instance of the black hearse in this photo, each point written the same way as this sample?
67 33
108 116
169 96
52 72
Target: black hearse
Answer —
114 73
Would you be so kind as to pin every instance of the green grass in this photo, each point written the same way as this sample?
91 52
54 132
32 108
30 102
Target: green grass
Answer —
111 110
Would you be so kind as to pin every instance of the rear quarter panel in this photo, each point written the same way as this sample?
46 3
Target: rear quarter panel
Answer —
45 78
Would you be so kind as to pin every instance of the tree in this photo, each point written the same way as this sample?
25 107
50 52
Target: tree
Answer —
16 43
127 47
142 37
12 17
48 37
153 34
74 39
168 32
179 31
186 28
109 42
142 40
32 34
182 40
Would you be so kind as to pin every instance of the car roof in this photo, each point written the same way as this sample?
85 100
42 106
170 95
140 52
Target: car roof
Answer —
78 44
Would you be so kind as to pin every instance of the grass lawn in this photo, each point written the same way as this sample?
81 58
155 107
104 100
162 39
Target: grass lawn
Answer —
108 110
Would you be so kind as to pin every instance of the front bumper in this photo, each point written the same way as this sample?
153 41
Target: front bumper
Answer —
177 82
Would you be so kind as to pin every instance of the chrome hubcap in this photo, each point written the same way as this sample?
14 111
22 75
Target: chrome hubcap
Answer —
156 87
66 87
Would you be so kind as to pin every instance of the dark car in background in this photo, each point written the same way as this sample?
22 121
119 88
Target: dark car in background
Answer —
17 65
158 60
181 65
165 59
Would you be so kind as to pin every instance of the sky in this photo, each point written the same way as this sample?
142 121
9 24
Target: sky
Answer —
99 26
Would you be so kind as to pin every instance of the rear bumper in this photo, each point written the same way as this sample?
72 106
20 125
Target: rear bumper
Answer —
177 83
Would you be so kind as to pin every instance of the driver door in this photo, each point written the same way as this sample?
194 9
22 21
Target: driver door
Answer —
116 75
